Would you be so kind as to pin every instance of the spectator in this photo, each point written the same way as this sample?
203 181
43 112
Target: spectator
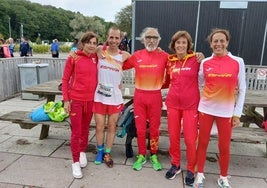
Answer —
54 49
74 46
124 42
4 49
11 44
24 47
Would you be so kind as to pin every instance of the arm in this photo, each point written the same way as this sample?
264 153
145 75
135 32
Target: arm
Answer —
67 74
129 63
167 80
240 100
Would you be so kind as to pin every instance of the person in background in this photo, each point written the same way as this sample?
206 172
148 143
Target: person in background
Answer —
182 103
24 47
55 48
11 45
108 101
74 46
78 87
149 64
4 49
222 76
124 42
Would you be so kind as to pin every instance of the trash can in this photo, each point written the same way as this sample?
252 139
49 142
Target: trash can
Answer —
32 74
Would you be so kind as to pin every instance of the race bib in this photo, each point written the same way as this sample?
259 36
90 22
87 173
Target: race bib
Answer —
105 90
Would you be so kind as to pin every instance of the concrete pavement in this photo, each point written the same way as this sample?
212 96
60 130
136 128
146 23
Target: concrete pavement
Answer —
27 162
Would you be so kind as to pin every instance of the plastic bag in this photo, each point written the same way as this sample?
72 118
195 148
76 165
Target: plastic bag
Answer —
55 111
39 115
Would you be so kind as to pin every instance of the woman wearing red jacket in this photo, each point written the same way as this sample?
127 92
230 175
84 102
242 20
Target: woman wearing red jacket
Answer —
182 103
78 86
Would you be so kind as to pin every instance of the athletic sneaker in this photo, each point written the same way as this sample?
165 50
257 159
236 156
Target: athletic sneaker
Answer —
189 179
171 174
83 160
223 182
108 160
99 157
199 181
141 159
76 170
155 163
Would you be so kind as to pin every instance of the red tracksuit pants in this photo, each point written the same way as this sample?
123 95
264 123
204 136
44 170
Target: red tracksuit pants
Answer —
224 126
189 120
147 107
80 117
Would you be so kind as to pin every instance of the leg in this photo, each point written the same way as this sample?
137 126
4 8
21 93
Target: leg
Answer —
174 129
100 125
86 120
76 127
205 124
190 122
112 122
224 126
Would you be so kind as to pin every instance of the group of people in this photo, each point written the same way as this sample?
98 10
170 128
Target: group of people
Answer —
91 84
7 48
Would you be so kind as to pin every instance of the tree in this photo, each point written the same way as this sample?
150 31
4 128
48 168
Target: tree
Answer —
123 20
80 24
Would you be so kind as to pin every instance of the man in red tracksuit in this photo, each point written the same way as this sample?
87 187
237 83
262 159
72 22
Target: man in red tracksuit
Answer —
149 64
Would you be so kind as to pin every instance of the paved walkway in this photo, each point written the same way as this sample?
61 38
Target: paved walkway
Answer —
27 162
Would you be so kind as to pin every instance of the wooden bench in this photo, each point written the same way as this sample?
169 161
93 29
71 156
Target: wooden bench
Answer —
23 119
239 134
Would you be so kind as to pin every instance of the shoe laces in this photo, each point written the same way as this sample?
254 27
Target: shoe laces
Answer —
154 159
140 158
200 178
173 169
225 182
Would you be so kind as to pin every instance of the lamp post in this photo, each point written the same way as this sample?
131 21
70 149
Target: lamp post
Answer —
21 29
9 27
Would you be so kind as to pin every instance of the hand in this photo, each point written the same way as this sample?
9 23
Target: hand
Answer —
235 121
67 106
200 56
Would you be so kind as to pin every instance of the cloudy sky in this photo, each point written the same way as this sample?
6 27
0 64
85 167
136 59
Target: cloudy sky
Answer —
106 9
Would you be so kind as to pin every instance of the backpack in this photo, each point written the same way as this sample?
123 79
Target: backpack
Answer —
126 121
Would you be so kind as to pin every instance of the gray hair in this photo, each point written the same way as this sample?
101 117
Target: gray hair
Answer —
145 30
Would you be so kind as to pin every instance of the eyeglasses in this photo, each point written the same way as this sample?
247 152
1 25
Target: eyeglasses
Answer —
152 37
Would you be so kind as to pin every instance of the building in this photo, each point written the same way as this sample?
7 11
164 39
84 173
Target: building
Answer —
245 19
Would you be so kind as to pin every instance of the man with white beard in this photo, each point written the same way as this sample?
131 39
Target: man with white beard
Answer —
149 64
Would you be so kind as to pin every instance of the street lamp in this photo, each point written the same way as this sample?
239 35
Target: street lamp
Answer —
21 29
9 27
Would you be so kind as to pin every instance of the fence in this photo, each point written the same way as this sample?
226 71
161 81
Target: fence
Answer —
10 84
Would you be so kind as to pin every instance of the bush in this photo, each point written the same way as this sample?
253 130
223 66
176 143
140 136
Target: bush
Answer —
43 49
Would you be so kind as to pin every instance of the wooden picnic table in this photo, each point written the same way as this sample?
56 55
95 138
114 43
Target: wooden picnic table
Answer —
254 99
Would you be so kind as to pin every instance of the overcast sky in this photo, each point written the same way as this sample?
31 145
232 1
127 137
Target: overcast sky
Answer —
106 9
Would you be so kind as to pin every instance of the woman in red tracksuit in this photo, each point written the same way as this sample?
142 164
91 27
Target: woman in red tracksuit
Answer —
78 87
182 103
224 86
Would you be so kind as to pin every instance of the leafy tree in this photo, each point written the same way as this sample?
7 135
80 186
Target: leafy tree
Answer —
124 20
50 22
